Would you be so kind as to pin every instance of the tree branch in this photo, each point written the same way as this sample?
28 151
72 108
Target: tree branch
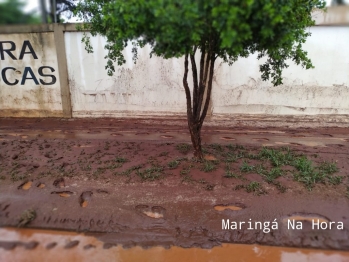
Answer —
209 88
187 90
195 83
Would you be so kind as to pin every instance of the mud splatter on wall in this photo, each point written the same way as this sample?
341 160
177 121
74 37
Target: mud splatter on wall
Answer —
154 85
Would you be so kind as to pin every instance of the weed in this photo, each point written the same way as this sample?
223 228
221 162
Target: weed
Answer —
246 168
164 154
183 148
208 166
187 178
303 165
255 187
173 164
230 174
184 171
347 193
310 178
209 187
26 217
150 174
328 168
216 147
120 160
233 147
335 180
273 174
231 157
129 170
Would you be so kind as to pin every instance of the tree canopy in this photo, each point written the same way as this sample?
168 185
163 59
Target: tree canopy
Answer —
11 12
225 29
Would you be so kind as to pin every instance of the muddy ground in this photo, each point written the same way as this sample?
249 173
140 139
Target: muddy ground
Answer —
134 182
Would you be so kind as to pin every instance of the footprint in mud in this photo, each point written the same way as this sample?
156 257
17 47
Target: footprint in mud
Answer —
72 244
25 185
305 217
102 191
166 136
89 246
116 134
51 245
94 132
295 144
40 185
233 207
227 138
260 139
335 145
62 193
84 198
59 182
153 212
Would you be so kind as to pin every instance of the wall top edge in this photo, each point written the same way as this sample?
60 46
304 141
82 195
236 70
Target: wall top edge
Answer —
333 16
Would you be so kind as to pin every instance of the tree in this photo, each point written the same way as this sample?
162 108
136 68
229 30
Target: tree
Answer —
11 12
56 9
225 29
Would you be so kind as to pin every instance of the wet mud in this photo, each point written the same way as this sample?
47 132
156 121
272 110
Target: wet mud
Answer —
38 245
132 183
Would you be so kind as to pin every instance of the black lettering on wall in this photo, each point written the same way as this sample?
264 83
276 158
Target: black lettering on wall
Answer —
26 44
8 51
3 75
42 74
25 73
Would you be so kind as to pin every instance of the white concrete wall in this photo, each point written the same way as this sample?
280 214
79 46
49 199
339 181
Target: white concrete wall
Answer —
151 86
29 98
323 90
154 86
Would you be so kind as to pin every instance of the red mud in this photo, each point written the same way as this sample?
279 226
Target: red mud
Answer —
93 175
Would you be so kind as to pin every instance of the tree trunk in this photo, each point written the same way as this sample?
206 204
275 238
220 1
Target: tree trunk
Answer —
195 135
198 102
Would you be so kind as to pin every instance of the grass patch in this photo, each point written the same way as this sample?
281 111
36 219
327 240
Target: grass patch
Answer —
253 187
183 148
173 164
208 166
150 174
246 167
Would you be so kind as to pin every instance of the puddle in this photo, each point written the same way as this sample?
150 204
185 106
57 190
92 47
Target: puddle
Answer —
233 207
63 193
26 185
152 212
70 246
210 158
85 197
41 185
